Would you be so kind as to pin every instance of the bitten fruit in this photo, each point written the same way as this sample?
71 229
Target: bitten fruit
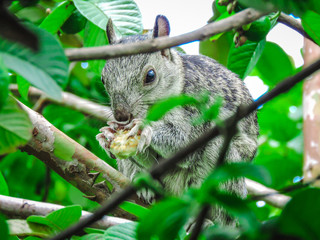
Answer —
124 146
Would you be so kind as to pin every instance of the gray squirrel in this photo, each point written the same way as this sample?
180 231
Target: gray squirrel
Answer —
134 83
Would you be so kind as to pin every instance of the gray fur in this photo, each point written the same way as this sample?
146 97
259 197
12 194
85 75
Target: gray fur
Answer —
176 74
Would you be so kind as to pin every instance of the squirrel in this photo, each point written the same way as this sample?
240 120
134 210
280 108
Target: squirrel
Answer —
136 82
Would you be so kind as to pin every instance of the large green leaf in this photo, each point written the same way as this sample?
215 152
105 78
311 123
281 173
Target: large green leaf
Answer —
125 14
95 36
159 109
125 231
59 219
4 231
45 69
243 59
59 15
15 127
133 208
300 216
4 83
165 219
3 186
217 49
296 7
274 64
23 87
311 24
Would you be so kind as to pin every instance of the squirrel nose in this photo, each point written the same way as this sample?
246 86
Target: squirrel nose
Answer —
122 115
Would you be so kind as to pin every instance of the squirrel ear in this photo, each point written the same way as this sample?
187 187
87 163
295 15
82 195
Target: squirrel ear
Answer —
161 27
111 35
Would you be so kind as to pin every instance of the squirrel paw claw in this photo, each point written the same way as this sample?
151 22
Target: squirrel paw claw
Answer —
145 139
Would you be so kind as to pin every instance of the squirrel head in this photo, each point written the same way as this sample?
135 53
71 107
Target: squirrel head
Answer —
135 82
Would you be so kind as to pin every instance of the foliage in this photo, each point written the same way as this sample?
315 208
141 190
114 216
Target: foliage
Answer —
81 23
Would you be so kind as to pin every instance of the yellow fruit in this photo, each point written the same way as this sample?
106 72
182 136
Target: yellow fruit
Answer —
123 145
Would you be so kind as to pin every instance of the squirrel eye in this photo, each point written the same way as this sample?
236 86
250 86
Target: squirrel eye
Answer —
102 80
150 77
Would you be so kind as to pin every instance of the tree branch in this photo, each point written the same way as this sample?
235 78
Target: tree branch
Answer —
72 101
270 196
152 45
72 161
22 208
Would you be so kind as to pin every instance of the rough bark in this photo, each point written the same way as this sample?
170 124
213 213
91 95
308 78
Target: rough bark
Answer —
311 114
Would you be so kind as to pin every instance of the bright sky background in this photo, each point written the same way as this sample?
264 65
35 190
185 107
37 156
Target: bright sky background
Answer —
188 15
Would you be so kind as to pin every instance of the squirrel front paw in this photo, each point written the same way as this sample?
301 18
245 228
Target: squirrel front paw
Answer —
145 135
106 137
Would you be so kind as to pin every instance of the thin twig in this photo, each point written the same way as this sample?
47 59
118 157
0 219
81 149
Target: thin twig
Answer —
199 222
164 165
270 196
152 45
72 101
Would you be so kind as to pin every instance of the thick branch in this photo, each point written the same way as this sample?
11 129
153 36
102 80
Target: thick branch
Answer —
152 45
72 101
22 208
72 161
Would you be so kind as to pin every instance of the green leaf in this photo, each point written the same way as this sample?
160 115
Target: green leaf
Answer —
57 17
4 83
159 109
75 23
299 217
4 231
221 233
40 220
311 24
23 87
125 14
296 7
286 128
94 230
23 228
93 236
274 64
125 231
45 69
59 219
3 186
31 238
243 59
15 127
63 148
282 163
218 49
95 36
135 209
165 219
237 170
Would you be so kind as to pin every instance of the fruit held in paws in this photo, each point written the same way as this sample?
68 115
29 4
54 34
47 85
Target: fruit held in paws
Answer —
123 145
